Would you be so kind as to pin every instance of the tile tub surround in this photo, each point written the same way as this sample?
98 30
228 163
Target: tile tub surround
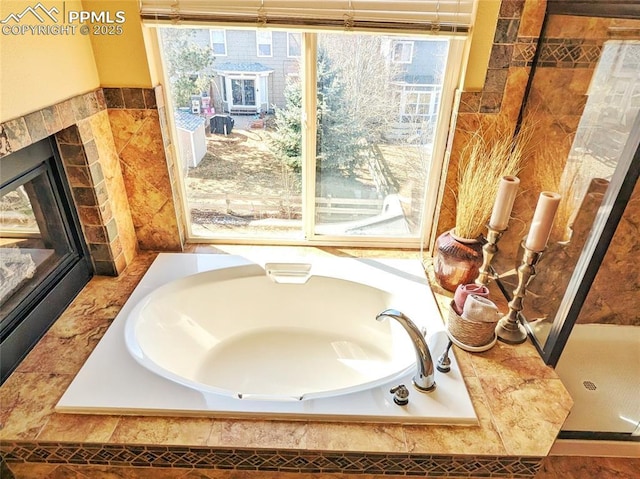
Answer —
521 405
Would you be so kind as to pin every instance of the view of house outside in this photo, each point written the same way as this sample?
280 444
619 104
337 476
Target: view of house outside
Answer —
237 100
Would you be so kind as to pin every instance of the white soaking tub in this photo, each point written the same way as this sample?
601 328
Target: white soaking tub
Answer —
223 335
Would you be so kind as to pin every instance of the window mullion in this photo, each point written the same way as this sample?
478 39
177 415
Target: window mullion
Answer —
309 126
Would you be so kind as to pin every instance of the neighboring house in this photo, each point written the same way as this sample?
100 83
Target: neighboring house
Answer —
251 67
420 67
191 138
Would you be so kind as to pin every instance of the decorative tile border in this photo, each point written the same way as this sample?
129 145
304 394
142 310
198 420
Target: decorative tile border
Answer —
272 460
569 53
130 98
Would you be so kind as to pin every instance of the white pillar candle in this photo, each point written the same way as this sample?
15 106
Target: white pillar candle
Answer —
501 213
542 221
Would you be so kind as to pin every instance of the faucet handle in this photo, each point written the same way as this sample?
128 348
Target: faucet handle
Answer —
444 362
400 395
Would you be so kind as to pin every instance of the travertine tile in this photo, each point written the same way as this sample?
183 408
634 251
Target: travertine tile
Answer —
29 399
580 467
356 437
481 439
162 431
125 124
35 471
146 178
511 361
532 18
272 434
78 428
520 406
56 355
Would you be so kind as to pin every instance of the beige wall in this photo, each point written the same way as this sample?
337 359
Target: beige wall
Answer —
481 43
121 60
37 71
40 70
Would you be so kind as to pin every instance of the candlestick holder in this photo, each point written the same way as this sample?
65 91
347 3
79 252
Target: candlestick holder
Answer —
509 330
489 250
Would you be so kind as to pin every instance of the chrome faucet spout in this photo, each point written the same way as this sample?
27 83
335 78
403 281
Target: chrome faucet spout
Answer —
424 379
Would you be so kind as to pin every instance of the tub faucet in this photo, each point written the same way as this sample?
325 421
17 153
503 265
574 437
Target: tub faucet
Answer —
424 379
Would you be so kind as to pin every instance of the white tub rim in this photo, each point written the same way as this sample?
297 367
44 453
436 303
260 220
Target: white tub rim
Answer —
251 270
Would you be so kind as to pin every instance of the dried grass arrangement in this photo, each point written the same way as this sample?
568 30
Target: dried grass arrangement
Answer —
489 154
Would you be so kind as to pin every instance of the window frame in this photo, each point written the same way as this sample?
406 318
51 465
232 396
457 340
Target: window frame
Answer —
258 43
224 42
405 44
433 185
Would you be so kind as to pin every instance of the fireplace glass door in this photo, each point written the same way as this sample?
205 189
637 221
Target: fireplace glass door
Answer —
40 249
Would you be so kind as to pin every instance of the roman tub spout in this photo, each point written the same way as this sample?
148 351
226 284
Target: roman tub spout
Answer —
424 379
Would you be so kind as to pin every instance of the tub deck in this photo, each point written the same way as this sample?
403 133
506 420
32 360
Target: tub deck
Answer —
521 405
112 382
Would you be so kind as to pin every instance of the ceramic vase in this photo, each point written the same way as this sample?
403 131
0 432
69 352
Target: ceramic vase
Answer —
456 260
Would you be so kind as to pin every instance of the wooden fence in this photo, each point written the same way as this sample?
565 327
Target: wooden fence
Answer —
287 207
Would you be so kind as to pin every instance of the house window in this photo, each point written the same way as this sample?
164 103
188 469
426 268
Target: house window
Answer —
294 44
218 42
342 147
264 43
402 52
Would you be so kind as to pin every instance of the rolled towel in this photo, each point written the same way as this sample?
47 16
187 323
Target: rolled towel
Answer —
464 290
480 309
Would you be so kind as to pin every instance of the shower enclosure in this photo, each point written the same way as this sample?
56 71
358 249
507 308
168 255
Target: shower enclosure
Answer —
582 307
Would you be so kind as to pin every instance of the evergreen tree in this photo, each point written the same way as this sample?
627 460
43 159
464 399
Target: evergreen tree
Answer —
337 140
286 143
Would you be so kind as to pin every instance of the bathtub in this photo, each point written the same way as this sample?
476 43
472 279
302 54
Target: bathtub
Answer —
226 335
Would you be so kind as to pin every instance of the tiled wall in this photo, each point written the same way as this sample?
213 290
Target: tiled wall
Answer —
569 54
117 170
514 46
135 115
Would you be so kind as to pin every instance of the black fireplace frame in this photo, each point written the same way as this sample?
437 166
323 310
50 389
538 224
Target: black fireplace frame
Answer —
25 324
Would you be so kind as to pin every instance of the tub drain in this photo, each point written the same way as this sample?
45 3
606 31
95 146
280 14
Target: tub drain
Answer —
589 385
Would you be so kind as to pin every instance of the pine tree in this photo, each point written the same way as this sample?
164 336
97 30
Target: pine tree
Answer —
286 143
337 138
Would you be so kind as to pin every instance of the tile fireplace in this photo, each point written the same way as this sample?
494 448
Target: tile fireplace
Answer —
44 260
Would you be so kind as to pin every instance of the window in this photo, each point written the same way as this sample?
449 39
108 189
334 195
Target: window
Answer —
402 52
364 165
294 44
264 43
218 42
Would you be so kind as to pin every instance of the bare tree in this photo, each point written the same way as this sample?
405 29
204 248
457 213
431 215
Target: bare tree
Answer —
365 71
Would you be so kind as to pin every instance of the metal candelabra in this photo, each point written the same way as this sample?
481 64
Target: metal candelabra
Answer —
489 250
509 330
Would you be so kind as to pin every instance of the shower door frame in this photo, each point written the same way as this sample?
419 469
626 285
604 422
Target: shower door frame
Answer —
609 215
